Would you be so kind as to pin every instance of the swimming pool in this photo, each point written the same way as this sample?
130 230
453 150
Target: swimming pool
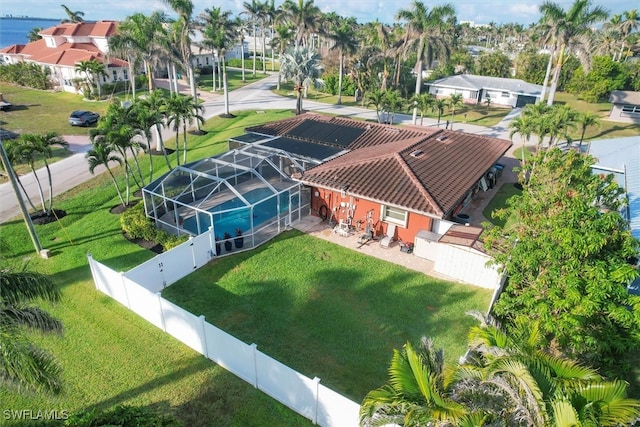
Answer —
234 214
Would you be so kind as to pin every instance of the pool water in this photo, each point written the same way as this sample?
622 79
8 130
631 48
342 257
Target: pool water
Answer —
228 222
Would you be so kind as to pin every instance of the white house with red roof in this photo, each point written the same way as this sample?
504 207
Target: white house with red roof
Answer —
62 47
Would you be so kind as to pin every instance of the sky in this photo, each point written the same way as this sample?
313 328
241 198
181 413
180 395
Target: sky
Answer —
478 11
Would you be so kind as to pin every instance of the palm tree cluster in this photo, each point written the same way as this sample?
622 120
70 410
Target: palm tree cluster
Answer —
503 380
28 149
118 135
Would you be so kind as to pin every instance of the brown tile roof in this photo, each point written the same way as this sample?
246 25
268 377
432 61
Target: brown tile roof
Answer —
381 166
82 29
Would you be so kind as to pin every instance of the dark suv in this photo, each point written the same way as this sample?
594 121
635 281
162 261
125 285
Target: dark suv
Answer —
83 118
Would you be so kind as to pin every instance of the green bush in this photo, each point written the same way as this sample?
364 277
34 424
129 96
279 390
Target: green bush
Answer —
26 74
169 241
248 63
331 85
123 86
122 416
136 224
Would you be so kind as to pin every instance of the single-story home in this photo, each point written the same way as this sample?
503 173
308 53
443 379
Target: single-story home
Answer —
63 46
477 89
379 175
626 106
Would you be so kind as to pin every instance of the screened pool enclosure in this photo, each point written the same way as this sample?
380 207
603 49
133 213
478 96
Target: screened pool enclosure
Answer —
245 195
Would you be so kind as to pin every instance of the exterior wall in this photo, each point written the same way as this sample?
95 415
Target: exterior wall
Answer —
476 96
620 116
338 207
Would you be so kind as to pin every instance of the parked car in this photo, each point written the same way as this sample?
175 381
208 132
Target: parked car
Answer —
83 118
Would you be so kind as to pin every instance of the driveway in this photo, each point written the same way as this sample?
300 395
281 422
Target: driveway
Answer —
74 170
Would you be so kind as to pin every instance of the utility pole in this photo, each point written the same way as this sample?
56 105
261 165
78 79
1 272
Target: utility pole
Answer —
25 213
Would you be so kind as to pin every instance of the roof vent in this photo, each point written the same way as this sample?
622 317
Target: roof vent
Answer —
441 138
417 154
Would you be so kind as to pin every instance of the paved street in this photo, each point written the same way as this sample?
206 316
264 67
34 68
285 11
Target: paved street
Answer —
74 170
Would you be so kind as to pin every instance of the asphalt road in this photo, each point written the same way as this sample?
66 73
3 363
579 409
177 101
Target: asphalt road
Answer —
74 170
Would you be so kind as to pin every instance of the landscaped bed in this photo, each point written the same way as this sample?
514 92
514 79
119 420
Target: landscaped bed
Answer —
328 311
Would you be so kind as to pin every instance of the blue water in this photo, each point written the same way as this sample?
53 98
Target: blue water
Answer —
229 221
15 31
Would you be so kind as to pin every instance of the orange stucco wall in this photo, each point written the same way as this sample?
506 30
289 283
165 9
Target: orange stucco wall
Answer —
345 207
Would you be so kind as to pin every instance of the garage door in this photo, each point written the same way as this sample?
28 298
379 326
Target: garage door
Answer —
524 100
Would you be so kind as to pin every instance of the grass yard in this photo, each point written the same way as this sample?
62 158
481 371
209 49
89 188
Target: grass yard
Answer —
329 311
499 201
234 79
109 355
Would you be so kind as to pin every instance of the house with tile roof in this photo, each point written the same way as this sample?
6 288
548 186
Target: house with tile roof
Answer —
476 89
65 45
379 174
626 106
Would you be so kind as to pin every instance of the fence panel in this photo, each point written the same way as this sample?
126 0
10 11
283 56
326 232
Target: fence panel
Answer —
286 385
335 409
466 265
177 263
201 249
110 282
231 353
183 325
144 303
148 274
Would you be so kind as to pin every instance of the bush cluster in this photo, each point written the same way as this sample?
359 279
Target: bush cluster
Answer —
123 86
25 74
248 63
137 225
121 415
331 85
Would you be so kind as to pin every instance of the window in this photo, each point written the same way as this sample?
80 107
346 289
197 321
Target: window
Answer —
505 94
394 215
633 109
115 75
125 73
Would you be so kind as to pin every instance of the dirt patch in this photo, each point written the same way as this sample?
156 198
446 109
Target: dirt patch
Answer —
118 209
42 218
146 244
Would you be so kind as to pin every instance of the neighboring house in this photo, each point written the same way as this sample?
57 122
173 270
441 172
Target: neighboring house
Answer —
621 157
63 46
476 89
626 106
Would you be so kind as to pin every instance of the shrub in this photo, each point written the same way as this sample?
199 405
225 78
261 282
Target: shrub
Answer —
121 415
136 224
123 86
248 63
26 74
169 241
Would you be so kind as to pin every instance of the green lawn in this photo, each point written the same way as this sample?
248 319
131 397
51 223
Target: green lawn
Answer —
111 356
499 201
338 318
234 79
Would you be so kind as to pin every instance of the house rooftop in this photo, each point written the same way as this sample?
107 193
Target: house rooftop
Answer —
473 82
624 97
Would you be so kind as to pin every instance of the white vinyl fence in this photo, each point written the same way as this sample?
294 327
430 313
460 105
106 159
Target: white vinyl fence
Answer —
138 290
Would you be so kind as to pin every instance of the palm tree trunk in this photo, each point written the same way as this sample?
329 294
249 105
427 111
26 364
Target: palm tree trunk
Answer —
242 59
194 93
220 62
213 71
547 74
225 89
556 77
24 191
139 169
50 204
161 145
40 192
418 87
115 183
273 52
150 160
177 144
184 142
340 78
147 69
264 51
299 102
254 50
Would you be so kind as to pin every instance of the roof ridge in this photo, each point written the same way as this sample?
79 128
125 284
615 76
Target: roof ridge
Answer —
417 183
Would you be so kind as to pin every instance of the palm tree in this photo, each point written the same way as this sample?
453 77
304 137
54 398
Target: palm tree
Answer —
72 16
101 154
377 99
141 35
455 100
418 392
41 144
14 156
282 39
423 102
22 364
219 32
34 34
182 111
427 36
242 28
586 119
253 9
302 66
93 69
631 23
304 16
438 107
392 103
345 42
155 102
26 150
570 29
524 127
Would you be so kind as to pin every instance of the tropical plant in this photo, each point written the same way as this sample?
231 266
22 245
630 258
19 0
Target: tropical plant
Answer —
524 127
302 66
424 103
92 69
438 107
34 34
281 40
155 103
585 119
40 144
455 101
392 103
101 154
182 111
253 9
566 253
429 36
345 42
375 98
304 16
570 29
73 17
14 154
23 364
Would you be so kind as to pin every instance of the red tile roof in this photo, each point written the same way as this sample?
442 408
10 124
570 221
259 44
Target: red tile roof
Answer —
381 167
68 54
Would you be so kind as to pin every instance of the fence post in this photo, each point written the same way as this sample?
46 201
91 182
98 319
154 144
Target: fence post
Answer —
164 325
254 348
93 273
124 286
316 391
203 330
